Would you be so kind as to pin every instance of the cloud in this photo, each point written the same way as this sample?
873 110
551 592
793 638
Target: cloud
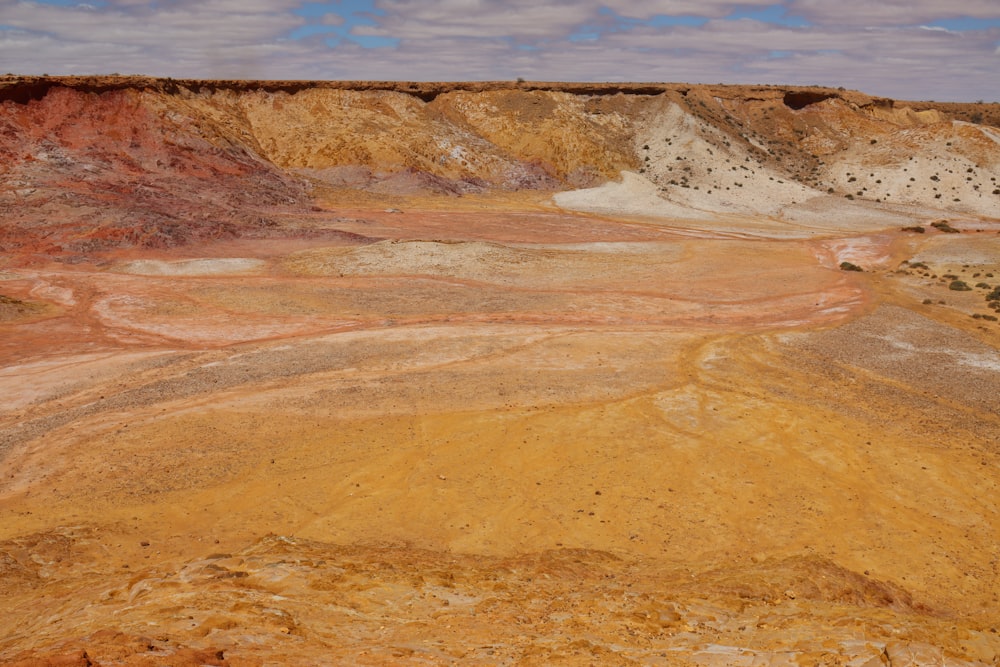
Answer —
157 26
477 19
180 38
892 12
531 19
642 9
891 48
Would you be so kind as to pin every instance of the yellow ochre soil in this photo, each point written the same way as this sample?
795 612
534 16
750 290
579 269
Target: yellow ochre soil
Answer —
664 448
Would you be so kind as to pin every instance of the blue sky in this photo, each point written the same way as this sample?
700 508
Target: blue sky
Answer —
909 49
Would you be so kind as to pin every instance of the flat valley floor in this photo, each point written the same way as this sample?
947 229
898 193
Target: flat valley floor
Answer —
504 433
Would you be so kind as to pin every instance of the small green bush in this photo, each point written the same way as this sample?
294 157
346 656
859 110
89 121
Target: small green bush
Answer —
959 286
847 266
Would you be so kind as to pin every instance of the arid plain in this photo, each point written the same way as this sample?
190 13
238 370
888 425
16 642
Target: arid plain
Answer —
496 374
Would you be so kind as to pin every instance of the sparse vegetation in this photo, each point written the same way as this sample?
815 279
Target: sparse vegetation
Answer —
943 226
847 266
13 308
959 286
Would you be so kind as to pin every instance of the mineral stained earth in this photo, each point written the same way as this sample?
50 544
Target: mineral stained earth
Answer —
378 373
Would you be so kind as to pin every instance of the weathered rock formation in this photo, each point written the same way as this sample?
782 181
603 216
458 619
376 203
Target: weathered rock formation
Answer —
94 162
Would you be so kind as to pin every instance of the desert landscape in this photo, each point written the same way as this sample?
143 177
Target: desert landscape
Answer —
511 373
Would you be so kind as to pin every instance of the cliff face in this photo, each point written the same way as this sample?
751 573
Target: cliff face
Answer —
122 167
153 162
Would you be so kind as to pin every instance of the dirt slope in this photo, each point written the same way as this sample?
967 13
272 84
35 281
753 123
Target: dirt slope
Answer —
94 163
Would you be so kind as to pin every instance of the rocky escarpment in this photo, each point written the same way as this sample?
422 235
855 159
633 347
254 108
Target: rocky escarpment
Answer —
97 162
85 171
22 89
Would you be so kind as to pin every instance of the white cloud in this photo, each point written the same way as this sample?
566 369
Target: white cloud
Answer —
161 27
893 12
530 18
643 9
888 48
478 18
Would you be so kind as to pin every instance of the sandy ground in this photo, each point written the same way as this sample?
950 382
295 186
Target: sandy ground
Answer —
508 435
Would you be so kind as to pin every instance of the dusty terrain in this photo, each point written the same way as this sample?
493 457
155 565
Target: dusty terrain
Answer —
496 374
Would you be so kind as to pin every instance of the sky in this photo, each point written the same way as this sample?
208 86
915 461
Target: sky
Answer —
905 49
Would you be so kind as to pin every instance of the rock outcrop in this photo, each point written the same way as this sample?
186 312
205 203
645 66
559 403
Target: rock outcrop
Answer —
97 162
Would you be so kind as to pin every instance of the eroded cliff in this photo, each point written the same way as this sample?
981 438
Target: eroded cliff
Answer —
106 161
